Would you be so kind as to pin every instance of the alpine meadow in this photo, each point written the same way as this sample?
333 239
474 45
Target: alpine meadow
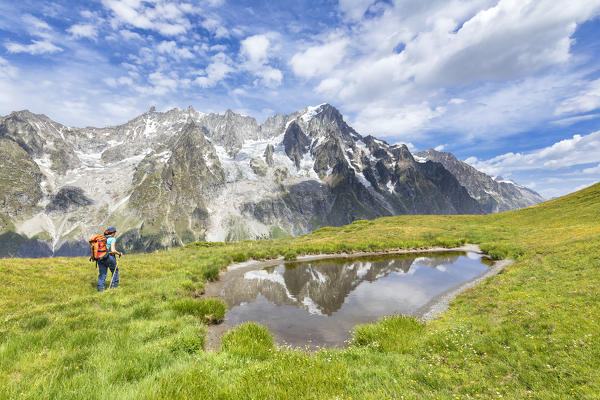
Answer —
299 200
529 332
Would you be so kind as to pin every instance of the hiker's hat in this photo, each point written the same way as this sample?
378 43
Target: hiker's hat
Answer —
109 230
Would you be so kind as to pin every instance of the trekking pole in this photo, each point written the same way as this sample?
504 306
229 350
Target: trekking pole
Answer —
113 274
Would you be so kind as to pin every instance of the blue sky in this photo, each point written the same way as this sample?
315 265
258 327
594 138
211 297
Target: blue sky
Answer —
511 86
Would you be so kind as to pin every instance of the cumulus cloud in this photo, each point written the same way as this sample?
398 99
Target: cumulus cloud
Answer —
410 53
214 25
160 84
578 150
171 48
269 76
256 51
319 60
216 71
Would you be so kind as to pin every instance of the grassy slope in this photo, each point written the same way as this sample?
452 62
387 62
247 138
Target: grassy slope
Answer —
531 331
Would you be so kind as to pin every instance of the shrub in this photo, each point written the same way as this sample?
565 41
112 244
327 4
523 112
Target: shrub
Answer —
289 255
210 310
249 340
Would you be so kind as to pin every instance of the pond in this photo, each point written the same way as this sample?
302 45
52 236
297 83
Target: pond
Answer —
318 303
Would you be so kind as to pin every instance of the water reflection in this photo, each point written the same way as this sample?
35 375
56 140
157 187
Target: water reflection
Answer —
319 302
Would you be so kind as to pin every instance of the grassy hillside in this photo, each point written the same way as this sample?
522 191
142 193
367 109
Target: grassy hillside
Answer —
530 332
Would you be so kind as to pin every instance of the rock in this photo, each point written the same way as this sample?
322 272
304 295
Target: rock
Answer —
183 176
493 195
20 190
258 166
68 198
269 155
280 174
296 143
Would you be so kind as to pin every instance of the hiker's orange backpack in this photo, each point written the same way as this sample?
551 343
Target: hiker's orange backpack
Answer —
98 248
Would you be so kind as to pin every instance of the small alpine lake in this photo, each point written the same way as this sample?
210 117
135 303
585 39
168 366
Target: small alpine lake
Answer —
318 303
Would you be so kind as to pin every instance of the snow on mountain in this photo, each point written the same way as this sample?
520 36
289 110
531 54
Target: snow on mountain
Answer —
168 178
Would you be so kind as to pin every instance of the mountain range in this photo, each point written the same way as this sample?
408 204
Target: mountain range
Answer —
169 178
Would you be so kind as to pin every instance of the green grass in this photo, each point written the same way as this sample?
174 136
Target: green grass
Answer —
530 332
249 340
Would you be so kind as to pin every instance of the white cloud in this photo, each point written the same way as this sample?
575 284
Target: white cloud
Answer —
319 60
587 99
483 58
35 25
410 146
441 147
270 77
573 120
592 170
239 92
496 110
578 150
83 31
214 25
35 48
161 84
37 28
116 82
216 71
167 18
130 35
329 86
171 48
256 51
218 47
395 122
7 71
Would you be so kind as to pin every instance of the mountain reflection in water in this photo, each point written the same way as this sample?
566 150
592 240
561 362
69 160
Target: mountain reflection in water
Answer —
319 302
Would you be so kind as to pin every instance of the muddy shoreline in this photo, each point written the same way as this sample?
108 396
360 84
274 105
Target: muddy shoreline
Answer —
432 309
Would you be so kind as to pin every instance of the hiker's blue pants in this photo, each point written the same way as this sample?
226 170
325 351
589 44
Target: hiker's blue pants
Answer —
103 266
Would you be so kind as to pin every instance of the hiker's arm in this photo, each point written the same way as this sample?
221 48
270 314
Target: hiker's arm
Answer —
113 250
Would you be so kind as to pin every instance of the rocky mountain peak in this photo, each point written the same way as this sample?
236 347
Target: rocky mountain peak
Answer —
495 195
168 178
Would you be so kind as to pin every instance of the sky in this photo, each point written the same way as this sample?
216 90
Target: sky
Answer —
510 86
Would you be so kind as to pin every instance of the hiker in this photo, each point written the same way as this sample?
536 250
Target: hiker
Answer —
109 262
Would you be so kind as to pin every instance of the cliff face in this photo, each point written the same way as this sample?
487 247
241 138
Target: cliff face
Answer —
493 194
166 179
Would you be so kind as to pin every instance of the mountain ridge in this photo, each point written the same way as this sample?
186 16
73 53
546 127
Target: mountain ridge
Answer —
169 178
